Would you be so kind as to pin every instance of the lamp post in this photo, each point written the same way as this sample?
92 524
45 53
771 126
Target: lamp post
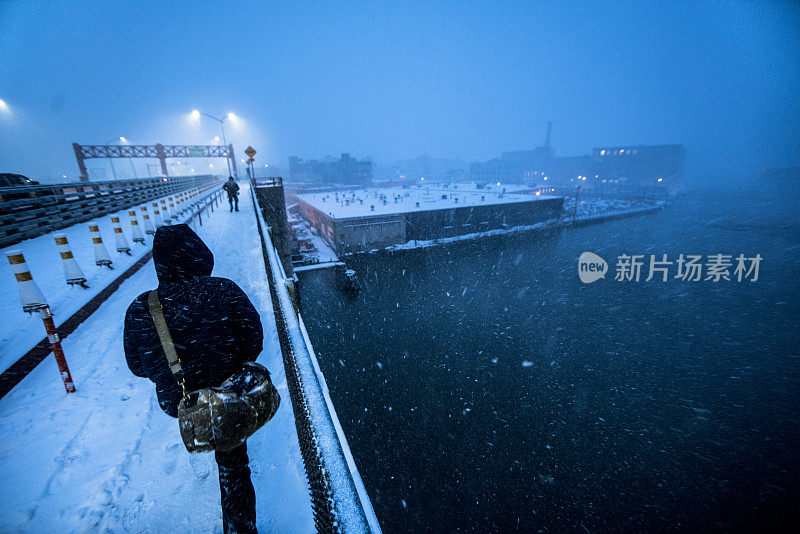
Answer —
125 141
221 122
113 170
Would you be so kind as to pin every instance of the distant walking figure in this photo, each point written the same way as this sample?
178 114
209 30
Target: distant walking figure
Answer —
232 188
215 329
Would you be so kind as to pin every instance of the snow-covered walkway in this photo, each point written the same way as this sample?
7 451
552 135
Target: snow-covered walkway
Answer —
108 459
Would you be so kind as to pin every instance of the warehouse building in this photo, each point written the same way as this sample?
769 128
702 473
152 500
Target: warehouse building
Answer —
374 218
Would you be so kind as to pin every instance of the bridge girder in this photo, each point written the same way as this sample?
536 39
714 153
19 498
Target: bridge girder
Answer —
157 151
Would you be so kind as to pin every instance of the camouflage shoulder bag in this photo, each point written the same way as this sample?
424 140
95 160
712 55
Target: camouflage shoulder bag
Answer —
218 418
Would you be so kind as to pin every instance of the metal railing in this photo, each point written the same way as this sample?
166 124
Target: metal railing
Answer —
338 498
269 181
17 371
29 211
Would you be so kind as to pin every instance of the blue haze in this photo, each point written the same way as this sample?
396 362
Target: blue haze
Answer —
395 80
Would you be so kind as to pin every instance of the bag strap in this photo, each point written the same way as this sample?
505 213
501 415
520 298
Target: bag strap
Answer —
157 313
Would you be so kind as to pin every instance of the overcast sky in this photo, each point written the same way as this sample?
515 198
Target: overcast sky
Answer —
449 79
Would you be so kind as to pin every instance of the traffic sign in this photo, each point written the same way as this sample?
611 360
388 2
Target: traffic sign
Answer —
250 151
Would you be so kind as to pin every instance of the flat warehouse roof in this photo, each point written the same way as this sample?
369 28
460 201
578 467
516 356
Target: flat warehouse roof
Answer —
350 204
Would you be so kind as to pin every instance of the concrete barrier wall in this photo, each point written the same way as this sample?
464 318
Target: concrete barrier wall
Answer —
27 212
338 497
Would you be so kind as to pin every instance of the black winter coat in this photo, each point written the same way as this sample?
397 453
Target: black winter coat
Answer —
213 324
232 188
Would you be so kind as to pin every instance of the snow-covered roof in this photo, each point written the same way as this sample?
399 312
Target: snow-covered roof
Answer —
397 200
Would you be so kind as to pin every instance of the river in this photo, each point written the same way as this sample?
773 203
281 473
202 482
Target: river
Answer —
484 387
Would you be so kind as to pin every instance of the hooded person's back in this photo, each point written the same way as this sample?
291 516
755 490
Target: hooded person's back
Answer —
214 326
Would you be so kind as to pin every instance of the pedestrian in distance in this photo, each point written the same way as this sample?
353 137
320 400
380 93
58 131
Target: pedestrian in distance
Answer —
215 329
232 188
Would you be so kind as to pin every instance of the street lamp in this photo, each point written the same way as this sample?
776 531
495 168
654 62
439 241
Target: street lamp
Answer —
113 170
197 114
125 141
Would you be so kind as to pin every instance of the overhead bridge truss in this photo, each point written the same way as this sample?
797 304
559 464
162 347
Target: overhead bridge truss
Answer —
157 151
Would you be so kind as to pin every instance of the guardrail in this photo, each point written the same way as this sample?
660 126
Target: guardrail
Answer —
17 371
269 180
339 500
29 211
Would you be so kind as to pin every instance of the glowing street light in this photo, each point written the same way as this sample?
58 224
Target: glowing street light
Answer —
111 160
125 141
196 114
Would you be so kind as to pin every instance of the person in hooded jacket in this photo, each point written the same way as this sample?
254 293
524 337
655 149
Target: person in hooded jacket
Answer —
215 329
232 188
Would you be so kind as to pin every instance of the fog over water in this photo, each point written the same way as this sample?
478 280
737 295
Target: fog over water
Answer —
483 387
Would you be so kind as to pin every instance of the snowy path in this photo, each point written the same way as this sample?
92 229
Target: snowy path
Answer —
108 459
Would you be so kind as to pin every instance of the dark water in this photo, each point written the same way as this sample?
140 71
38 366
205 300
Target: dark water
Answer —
483 387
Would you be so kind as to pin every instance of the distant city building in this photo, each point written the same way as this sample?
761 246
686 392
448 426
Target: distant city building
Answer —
346 170
633 165
640 165
494 170
423 168
520 166
512 167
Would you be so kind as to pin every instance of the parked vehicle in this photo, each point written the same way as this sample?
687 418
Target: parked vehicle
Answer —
12 180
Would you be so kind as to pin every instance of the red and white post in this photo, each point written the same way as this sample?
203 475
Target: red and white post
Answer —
33 301
55 345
